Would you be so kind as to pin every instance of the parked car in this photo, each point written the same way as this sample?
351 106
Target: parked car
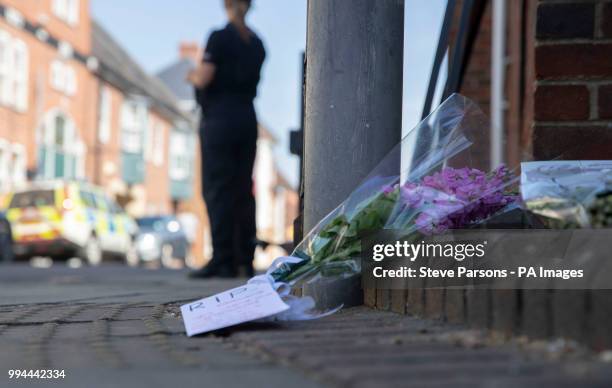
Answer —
6 240
162 239
64 219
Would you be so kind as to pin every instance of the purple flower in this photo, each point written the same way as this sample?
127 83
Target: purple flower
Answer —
454 198
388 189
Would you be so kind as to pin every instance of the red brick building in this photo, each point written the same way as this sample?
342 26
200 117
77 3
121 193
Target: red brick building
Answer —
556 78
75 105
44 107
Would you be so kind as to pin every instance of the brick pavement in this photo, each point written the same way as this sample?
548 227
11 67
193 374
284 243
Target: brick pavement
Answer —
360 347
136 338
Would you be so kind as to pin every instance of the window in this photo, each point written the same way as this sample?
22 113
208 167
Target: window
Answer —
6 89
60 8
133 125
61 153
57 75
33 198
155 142
21 75
4 164
180 156
14 71
63 78
104 126
12 164
19 164
73 11
59 147
67 10
87 199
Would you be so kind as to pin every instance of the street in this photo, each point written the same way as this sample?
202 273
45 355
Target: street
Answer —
115 326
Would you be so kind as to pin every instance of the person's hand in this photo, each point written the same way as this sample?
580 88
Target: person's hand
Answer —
193 77
202 75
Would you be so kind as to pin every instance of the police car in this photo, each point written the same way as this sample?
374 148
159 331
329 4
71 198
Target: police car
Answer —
64 219
6 240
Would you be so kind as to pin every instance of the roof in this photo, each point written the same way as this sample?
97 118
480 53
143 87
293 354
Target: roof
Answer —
118 68
174 77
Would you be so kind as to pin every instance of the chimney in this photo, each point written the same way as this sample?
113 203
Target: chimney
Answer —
190 50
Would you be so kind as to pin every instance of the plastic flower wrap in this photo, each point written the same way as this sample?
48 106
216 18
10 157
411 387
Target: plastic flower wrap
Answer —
452 198
437 178
569 193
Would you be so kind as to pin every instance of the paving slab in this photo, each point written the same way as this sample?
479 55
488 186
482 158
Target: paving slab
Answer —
114 327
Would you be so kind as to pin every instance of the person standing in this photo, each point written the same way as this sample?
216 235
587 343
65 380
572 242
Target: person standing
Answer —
226 85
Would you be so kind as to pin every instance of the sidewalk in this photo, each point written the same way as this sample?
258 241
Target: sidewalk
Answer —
113 326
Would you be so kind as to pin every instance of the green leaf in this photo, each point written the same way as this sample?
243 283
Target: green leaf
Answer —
339 240
334 227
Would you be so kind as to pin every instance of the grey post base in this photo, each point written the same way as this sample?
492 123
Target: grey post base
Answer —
331 293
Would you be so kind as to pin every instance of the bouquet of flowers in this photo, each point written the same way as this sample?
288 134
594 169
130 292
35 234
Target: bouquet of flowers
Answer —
437 178
569 194
429 183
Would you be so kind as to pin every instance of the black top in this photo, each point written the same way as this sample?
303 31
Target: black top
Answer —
227 102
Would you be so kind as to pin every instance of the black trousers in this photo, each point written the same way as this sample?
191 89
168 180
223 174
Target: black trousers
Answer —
227 186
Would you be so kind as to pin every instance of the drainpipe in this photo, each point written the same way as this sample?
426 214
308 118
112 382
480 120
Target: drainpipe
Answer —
498 72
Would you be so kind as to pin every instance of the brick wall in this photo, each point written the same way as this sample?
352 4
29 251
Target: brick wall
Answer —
41 12
559 104
558 81
157 181
572 107
21 127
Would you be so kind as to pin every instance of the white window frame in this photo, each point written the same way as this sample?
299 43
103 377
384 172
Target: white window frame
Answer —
56 75
21 74
6 69
106 108
180 156
67 10
63 77
73 11
134 120
60 8
14 72
69 149
19 164
5 154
